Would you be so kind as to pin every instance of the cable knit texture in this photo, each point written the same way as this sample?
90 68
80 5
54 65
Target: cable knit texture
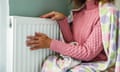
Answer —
86 30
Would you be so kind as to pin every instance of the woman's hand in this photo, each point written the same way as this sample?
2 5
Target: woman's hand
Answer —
38 41
54 15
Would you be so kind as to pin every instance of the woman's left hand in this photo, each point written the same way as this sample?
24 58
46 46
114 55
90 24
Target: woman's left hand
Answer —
38 41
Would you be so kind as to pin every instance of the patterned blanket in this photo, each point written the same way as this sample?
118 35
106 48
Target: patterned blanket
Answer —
110 23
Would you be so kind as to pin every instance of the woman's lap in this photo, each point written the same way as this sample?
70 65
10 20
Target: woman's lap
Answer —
51 65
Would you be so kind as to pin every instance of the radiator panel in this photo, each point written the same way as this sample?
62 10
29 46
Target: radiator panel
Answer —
22 58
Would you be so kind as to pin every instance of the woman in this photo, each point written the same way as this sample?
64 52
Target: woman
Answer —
85 31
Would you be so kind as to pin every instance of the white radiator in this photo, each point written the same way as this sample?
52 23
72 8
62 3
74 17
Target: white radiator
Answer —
19 57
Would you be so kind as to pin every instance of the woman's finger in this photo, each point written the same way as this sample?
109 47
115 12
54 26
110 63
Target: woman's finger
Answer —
49 15
53 18
30 42
32 37
37 34
42 35
35 47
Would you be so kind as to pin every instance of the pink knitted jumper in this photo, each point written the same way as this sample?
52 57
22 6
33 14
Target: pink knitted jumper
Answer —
86 30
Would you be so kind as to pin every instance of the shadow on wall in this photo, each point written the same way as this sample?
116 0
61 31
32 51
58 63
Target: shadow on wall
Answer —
37 7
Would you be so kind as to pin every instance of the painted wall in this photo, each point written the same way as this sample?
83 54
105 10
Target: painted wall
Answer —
4 13
118 3
37 7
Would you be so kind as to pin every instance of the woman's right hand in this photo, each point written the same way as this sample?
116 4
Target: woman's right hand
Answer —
54 15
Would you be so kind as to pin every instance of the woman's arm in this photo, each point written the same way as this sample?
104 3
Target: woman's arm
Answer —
86 52
63 23
66 30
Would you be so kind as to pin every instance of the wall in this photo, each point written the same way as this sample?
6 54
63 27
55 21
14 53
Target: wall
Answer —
118 3
37 7
4 13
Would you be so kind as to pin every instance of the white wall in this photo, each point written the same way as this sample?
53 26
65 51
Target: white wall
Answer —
3 23
118 3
